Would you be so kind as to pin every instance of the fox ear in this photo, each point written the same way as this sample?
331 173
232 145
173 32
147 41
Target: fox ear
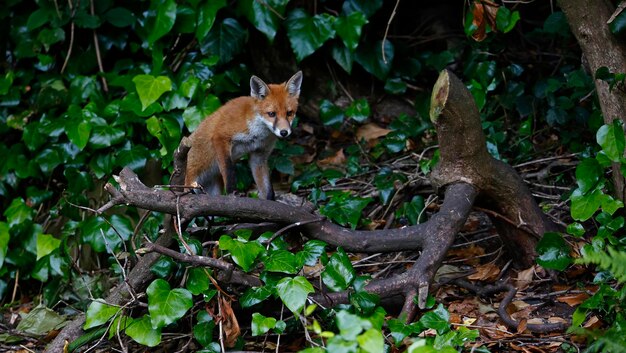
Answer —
258 88
294 83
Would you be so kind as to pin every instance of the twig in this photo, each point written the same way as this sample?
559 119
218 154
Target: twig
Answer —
105 87
382 45
293 225
69 50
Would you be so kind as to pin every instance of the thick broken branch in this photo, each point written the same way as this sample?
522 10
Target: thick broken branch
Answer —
464 158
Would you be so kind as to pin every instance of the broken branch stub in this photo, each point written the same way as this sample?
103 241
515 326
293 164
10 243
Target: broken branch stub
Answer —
464 158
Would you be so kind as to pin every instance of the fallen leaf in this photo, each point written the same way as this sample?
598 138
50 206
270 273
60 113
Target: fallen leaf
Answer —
521 327
488 273
230 326
339 158
524 278
593 322
370 132
573 299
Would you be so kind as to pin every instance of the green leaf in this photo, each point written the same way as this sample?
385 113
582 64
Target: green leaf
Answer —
119 324
506 20
294 292
40 321
78 133
150 88
244 254
307 34
264 15
120 17
46 244
371 341
225 40
350 325
141 331
330 114
553 252
281 261
4 242
345 209
38 18
311 251
584 206
339 273
611 138
206 17
359 110
167 305
366 7
197 281
262 324
18 212
576 229
203 330
105 136
343 57
370 56
438 319
165 18
349 29
98 313
163 267
588 173
254 295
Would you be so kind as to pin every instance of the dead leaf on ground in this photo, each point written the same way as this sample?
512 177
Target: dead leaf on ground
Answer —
339 158
231 326
470 254
521 327
524 278
593 322
488 273
573 299
370 133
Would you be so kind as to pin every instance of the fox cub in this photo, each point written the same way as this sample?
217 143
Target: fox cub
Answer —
242 125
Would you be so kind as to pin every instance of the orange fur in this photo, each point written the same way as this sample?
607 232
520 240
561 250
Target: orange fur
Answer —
244 125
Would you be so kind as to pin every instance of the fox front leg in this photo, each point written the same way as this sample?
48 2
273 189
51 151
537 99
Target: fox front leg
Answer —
261 174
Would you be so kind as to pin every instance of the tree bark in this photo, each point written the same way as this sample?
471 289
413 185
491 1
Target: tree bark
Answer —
588 22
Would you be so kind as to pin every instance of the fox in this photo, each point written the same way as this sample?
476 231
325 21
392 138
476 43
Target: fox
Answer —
244 125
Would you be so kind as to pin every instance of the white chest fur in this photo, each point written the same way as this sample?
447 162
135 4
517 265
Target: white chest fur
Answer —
258 138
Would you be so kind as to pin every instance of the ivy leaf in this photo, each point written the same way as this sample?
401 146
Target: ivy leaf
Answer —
197 281
553 252
307 34
584 206
576 229
311 251
18 212
225 40
4 241
611 138
293 292
349 29
40 321
203 330
98 313
206 17
438 319
343 57
506 20
359 110
120 17
366 7
345 209
141 331
281 261
339 273
164 21
78 133
150 88
330 114
254 295
617 26
262 324
38 18
369 55
264 15
588 173
46 244
371 341
166 305
243 254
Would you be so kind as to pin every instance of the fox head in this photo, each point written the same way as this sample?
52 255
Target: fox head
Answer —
276 104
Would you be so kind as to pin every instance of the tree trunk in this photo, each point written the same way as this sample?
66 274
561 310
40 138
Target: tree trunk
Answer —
588 22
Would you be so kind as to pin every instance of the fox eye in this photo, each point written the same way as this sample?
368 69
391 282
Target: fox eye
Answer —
271 114
289 112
